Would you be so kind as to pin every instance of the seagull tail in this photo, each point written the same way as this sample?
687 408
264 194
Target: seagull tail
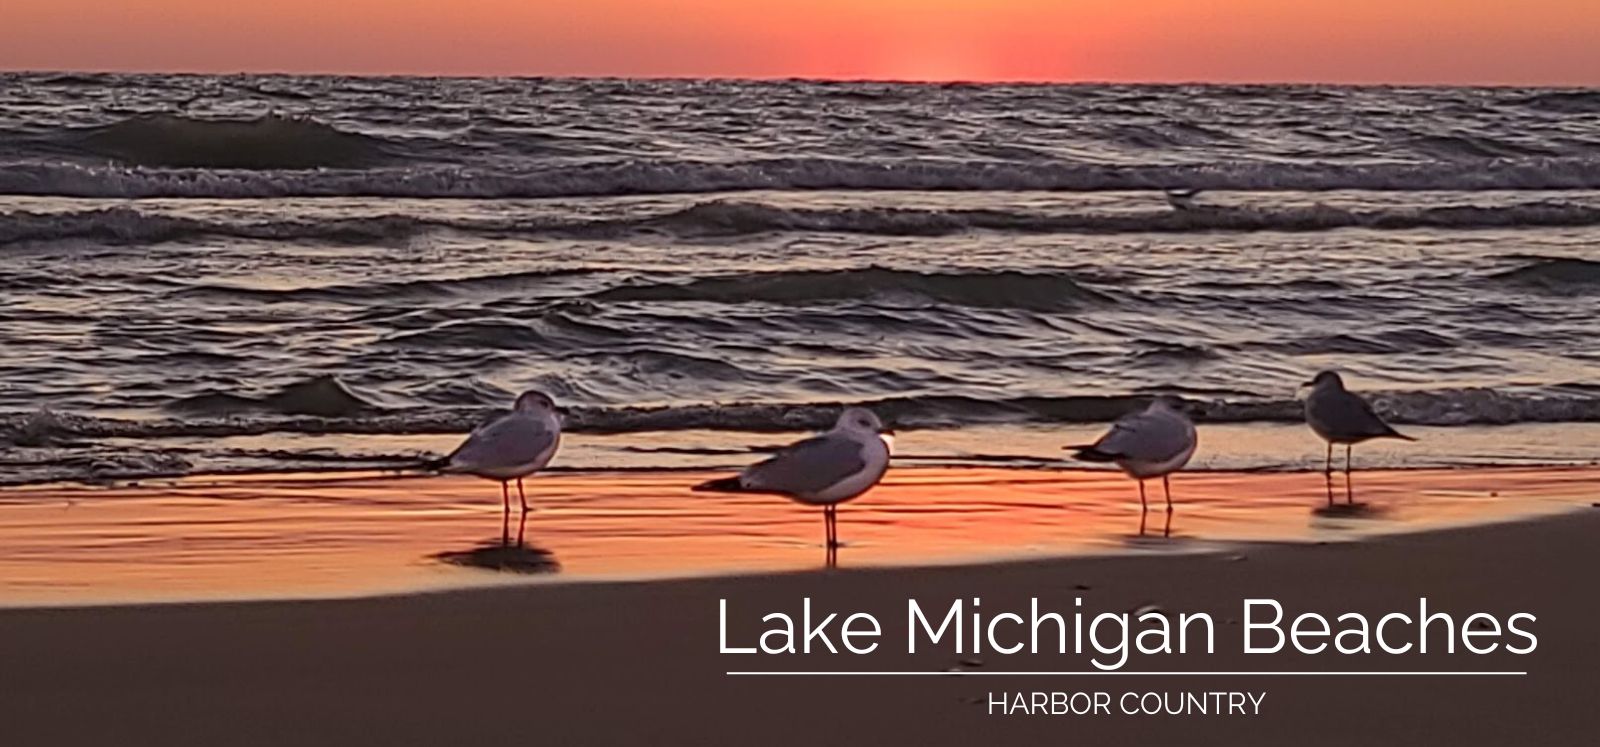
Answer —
720 485
1397 434
441 464
1090 453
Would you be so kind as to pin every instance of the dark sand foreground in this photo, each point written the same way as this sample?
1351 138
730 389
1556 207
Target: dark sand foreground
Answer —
638 662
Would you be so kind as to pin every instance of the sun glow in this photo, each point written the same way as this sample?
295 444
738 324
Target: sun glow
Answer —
1461 41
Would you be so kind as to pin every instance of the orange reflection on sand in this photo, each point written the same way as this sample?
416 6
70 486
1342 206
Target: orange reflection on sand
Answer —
320 535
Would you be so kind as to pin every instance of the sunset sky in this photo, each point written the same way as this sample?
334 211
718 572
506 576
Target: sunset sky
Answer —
1359 41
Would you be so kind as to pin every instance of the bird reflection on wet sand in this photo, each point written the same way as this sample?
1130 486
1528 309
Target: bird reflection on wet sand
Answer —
1349 488
493 556
504 556
1349 509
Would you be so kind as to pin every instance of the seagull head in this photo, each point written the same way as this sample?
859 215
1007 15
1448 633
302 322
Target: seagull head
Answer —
536 401
861 420
1168 402
1326 379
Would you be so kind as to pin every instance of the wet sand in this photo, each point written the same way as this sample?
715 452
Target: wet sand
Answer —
637 663
320 535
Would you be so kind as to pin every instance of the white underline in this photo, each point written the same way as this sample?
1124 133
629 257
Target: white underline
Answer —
971 673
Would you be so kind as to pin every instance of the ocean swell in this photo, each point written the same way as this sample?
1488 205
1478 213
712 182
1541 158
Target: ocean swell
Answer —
1555 274
269 142
324 396
983 289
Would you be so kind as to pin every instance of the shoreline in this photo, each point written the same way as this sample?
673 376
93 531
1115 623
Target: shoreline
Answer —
511 582
339 535
1251 447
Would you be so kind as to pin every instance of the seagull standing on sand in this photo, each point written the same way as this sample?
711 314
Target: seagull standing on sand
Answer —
824 470
510 447
1182 199
1154 442
1341 416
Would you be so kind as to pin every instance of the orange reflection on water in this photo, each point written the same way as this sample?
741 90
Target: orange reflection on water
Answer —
320 535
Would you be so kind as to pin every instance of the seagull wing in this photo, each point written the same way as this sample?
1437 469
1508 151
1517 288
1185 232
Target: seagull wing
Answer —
1146 437
807 467
510 441
1347 415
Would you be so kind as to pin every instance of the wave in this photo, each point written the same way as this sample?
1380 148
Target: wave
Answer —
1472 146
1565 102
269 142
724 219
241 175
1558 274
1393 342
438 287
127 226
324 396
338 411
1002 289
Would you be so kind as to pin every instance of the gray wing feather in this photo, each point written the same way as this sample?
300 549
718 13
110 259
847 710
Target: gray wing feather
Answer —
808 466
509 441
1145 436
1347 415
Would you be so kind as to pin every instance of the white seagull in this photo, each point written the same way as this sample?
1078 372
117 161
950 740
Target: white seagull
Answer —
1154 442
824 470
1182 199
1341 416
510 447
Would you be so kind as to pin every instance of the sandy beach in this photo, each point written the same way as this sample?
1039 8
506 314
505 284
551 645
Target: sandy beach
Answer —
637 662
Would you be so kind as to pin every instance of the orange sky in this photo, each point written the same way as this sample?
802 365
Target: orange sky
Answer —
1441 41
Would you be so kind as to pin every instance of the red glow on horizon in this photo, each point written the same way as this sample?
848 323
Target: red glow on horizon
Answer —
1355 41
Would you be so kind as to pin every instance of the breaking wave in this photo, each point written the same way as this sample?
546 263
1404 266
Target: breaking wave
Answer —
321 406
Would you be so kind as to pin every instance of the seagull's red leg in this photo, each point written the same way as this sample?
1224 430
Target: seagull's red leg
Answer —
1144 508
1167 486
505 513
522 495
1349 493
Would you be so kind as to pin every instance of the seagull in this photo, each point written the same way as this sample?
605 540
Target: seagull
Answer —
510 447
1182 199
1341 416
1154 442
824 470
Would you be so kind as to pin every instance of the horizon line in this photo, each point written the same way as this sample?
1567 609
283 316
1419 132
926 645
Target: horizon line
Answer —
1041 82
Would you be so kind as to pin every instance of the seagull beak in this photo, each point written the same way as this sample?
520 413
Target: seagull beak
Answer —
887 432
